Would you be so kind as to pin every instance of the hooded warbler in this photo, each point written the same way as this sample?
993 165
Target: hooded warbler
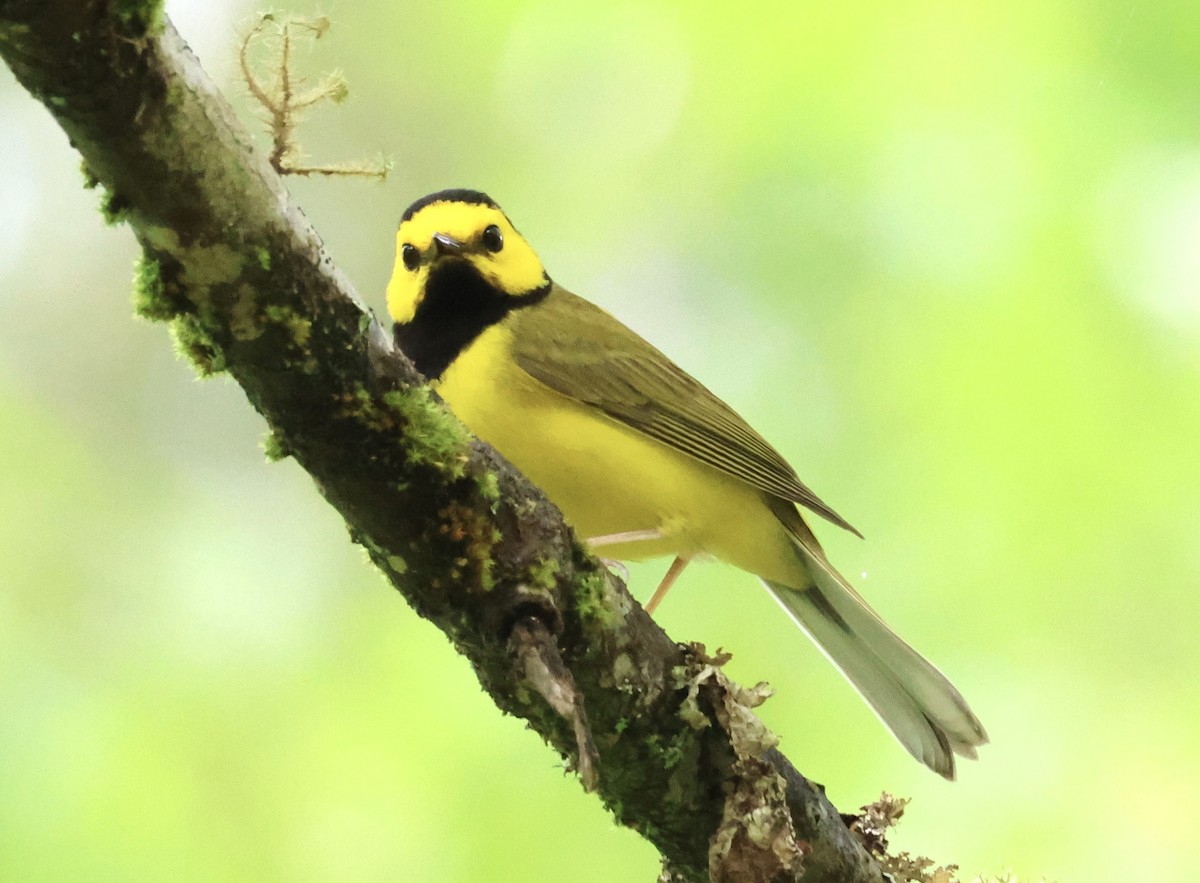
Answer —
639 456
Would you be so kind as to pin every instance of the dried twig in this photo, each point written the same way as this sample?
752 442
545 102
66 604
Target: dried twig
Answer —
285 101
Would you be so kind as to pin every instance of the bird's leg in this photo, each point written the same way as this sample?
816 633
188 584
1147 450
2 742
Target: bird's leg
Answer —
641 536
629 536
673 572
612 539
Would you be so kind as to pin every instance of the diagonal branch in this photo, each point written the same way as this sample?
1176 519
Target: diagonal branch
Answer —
234 267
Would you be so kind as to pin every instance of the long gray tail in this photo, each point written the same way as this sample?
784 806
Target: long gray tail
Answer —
912 698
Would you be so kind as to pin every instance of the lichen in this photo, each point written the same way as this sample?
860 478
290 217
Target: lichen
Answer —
203 269
207 266
623 669
756 839
244 323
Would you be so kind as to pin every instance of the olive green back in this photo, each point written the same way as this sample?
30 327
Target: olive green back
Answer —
579 350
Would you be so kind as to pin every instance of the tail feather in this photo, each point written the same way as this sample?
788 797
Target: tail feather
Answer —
912 698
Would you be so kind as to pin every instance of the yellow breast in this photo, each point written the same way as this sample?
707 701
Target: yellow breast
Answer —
608 478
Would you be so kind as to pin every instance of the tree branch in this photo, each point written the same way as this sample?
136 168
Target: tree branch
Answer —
669 744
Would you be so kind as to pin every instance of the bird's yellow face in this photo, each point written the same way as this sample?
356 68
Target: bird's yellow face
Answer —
465 227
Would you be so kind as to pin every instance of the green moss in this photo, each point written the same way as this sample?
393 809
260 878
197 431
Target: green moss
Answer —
264 258
591 599
489 489
150 299
275 447
487 567
461 523
431 435
205 266
545 573
671 751
114 207
248 322
139 18
90 181
670 754
193 342
360 405
299 328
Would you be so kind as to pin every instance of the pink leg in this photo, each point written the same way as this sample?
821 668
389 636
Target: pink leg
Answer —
673 572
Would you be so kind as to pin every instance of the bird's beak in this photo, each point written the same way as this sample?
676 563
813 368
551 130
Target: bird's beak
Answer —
446 245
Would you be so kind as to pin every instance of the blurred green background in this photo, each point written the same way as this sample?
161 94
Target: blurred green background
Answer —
946 256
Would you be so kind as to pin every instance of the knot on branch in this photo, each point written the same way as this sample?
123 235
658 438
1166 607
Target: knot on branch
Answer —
538 663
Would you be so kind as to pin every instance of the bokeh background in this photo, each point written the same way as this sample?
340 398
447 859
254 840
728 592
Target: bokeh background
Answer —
946 256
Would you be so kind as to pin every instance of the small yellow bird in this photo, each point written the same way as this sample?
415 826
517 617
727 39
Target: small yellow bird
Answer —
639 456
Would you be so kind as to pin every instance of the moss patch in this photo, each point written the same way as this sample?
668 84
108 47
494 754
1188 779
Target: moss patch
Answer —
489 489
545 573
275 447
592 599
298 327
139 18
432 436
464 525
150 300
113 206
194 343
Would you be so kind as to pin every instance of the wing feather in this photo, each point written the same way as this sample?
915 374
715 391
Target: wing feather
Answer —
579 350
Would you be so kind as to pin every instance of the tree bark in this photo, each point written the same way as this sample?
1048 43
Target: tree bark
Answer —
654 728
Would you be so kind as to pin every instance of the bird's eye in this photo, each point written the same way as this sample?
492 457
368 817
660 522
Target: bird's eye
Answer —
492 238
410 256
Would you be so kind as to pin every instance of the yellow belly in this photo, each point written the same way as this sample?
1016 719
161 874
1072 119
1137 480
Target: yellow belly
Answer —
608 478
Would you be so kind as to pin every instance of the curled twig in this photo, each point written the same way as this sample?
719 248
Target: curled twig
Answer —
284 100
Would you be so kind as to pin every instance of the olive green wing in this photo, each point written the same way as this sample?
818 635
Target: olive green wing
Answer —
579 350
